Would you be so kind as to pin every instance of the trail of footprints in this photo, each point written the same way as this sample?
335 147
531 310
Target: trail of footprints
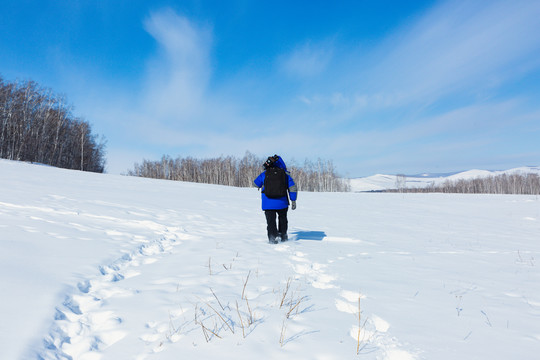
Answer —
373 331
81 327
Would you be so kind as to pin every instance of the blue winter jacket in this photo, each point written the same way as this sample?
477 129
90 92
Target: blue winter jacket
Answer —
279 203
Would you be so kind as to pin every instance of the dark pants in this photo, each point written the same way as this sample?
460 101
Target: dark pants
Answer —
273 230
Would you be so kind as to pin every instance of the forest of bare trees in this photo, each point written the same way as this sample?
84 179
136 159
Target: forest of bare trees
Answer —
231 171
520 184
38 126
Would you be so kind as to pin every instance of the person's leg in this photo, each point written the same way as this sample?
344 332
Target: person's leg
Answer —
271 224
283 223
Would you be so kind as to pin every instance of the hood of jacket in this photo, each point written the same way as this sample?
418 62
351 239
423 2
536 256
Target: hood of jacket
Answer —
280 163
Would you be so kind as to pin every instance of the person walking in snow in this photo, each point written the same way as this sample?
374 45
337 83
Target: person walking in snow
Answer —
277 187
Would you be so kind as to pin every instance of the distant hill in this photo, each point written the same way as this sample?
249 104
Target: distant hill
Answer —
382 182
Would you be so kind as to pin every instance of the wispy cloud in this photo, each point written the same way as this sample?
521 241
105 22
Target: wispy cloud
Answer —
165 110
306 60
435 94
470 48
441 79
177 77
461 46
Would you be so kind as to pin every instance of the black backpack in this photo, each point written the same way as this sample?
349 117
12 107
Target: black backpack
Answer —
275 183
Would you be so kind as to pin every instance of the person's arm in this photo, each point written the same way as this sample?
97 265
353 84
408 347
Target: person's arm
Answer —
293 192
259 181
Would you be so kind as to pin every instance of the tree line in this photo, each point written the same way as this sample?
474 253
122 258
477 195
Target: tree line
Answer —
38 126
232 171
519 184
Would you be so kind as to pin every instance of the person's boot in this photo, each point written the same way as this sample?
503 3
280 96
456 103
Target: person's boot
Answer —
284 237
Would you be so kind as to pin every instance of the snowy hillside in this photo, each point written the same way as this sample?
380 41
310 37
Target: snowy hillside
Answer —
385 182
108 267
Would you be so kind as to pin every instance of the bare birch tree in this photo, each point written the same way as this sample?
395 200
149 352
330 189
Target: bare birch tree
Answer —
519 184
37 126
320 176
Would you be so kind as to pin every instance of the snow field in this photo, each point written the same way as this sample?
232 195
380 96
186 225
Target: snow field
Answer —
109 267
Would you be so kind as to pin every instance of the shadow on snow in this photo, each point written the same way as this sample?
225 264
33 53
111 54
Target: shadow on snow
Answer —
309 235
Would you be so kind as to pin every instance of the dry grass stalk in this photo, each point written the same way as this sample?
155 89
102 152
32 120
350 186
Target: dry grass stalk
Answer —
359 327
205 333
251 319
205 329
295 306
285 292
219 302
245 284
359 323
172 329
241 322
215 331
282 335
221 317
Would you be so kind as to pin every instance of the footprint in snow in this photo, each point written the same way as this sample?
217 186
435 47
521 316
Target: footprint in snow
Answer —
371 333
81 326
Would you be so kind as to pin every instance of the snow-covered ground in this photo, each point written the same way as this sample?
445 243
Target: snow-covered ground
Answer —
380 182
109 267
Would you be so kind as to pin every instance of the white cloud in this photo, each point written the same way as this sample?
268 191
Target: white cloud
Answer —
178 76
307 60
460 46
465 49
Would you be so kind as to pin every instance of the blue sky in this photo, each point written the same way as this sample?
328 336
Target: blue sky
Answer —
375 86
